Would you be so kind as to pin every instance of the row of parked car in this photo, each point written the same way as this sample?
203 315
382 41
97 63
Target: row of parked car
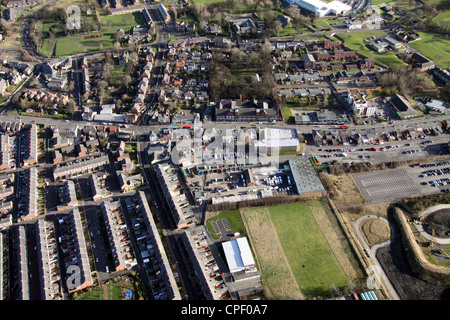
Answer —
412 151
436 172
437 182
434 164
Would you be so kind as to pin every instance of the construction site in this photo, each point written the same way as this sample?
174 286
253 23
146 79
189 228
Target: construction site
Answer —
417 260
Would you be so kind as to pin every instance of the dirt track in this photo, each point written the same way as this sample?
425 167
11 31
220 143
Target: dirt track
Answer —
394 262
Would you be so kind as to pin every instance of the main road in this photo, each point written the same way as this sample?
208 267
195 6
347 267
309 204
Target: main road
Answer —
143 129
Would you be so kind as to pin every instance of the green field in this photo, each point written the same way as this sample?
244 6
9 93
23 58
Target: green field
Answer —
355 41
325 24
46 48
208 1
442 17
404 4
435 47
291 31
76 44
311 260
300 248
123 21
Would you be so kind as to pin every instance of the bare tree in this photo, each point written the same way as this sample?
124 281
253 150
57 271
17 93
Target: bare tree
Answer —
277 27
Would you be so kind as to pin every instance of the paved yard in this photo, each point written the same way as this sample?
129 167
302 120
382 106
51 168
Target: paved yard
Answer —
391 184
386 185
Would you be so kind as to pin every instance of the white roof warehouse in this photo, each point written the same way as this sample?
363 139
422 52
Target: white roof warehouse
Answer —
238 255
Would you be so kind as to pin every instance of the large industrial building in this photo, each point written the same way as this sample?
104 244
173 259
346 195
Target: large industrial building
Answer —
320 8
306 178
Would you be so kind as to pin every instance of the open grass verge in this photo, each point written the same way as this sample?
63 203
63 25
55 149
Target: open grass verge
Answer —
355 41
123 21
78 44
442 17
435 47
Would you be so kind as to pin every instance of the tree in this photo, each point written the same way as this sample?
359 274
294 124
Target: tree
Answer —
134 58
102 84
117 104
405 80
174 12
107 70
101 95
126 80
119 34
445 92
277 27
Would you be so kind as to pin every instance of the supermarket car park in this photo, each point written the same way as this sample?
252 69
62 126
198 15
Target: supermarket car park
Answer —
386 185
404 182
385 152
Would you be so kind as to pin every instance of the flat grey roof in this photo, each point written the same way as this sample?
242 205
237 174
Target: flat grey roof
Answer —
305 176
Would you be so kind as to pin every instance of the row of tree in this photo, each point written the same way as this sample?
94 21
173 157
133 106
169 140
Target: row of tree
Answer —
405 80
226 80
423 18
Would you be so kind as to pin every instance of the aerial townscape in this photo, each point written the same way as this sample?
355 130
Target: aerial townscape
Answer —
237 150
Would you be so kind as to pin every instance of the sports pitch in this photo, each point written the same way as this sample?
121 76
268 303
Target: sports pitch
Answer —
294 257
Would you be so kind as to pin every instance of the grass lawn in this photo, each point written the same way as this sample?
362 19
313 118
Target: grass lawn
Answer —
76 44
355 41
116 75
268 253
46 48
286 110
310 258
123 21
434 46
245 73
325 24
291 31
404 4
288 32
208 1
442 17
114 291
299 249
